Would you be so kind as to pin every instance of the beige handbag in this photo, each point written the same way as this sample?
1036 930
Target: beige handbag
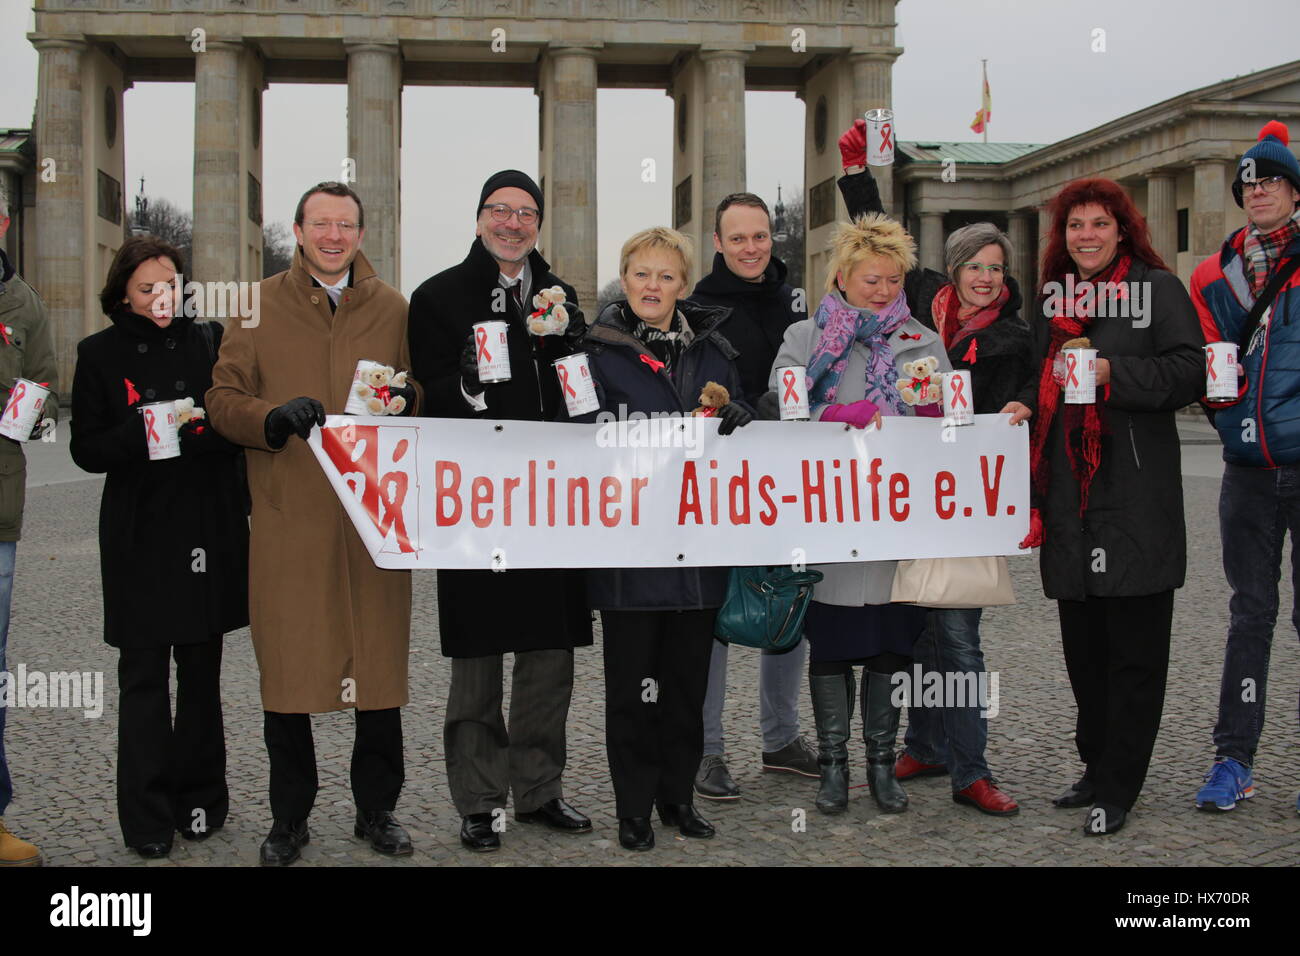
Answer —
953 582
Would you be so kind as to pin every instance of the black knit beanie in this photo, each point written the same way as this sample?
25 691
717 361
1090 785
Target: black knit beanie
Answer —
507 178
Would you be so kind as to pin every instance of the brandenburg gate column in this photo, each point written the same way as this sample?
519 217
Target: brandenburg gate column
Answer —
374 145
872 89
1210 191
567 167
1162 217
61 213
1022 265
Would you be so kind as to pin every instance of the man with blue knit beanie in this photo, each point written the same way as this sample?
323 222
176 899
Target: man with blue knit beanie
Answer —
1259 500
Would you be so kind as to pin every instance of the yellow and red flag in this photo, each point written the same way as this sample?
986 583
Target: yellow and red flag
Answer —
986 109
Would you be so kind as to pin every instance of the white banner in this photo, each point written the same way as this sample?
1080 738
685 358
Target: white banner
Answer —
448 493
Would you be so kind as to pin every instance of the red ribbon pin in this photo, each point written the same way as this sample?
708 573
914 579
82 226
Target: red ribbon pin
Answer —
969 357
655 364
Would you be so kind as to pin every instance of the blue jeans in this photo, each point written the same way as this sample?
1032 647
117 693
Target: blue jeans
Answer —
1257 506
780 679
8 551
952 736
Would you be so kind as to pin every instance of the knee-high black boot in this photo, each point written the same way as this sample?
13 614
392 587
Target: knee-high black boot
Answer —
880 731
832 697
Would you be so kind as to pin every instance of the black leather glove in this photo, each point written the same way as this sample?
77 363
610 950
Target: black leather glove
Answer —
731 417
469 367
293 417
407 392
576 330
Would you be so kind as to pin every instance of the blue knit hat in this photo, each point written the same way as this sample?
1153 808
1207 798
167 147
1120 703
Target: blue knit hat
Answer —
1271 158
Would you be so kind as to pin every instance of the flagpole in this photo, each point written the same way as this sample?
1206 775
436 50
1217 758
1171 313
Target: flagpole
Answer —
985 68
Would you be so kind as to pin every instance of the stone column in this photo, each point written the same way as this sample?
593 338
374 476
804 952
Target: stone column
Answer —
1023 264
1044 231
873 88
568 168
932 240
1162 216
723 139
374 144
217 186
1209 193
61 214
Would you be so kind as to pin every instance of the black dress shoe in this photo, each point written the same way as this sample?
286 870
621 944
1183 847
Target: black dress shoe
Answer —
384 833
635 833
197 836
1104 819
1080 794
476 833
284 843
154 851
557 815
686 820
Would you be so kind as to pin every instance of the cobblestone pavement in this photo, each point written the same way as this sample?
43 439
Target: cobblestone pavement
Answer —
63 763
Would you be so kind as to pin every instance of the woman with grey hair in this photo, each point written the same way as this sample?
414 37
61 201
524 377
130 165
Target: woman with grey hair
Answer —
978 316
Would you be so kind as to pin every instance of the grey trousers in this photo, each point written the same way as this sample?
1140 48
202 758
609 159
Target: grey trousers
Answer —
780 680
485 760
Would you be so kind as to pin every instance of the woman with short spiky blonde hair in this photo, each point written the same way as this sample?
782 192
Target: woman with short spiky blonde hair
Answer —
854 350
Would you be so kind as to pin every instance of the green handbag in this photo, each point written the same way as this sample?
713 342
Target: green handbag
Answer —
765 607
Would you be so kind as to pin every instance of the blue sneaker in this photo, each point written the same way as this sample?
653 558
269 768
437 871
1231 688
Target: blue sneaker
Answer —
1227 782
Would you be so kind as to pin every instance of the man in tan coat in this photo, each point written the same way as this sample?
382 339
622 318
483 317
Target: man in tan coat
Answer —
330 629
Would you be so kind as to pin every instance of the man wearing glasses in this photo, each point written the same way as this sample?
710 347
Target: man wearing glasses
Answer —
1250 294
331 630
538 615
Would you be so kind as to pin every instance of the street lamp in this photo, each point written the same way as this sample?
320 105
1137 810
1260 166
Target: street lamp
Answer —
779 234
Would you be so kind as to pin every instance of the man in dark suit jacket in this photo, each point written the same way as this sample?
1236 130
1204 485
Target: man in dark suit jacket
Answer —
538 615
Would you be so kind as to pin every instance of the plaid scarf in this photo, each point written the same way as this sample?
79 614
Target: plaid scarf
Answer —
666 345
1263 250
1082 423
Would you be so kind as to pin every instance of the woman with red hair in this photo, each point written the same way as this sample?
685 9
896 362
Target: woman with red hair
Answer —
1107 480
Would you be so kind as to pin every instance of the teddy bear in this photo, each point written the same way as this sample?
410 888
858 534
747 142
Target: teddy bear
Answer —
922 385
376 387
188 414
550 317
712 397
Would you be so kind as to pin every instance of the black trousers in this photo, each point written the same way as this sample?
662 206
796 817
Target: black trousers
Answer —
1117 654
485 760
656 675
378 768
170 775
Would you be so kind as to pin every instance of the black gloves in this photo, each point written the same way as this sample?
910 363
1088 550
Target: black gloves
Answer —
407 392
469 367
293 417
731 417
576 330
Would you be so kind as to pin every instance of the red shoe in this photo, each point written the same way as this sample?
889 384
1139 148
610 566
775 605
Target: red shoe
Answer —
906 767
986 798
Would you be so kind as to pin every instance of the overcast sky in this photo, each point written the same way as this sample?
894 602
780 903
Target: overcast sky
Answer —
1046 82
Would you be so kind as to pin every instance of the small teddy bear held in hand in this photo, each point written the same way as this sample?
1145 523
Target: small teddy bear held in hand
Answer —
922 384
712 397
187 413
376 387
550 317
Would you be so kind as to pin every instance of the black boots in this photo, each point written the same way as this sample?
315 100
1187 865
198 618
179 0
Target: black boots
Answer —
880 730
833 696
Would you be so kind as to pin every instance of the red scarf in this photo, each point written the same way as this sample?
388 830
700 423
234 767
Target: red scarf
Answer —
1082 423
950 325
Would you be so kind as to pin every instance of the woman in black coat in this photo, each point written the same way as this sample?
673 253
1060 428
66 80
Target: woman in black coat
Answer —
655 352
173 541
978 316
1107 480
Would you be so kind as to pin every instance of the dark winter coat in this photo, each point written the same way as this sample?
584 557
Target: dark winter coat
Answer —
760 314
998 357
159 590
920 285
625 384
1131 541
533 609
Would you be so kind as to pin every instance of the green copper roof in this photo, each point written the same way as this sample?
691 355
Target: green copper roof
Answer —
932 151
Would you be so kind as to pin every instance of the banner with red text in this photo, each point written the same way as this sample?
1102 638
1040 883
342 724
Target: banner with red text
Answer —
450 493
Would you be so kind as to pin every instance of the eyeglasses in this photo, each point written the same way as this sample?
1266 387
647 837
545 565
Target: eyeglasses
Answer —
502 213
323 225
977 267
1270 184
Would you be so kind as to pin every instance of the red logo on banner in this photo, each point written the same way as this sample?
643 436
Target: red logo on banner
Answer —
366 450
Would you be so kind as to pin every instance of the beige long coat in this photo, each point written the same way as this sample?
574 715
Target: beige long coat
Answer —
330 629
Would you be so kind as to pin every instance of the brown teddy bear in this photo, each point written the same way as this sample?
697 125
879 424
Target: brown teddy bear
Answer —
712 397
922 384
376 387
550 317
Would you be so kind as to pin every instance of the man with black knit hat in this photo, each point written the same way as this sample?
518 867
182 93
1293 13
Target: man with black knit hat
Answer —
1250 294
538 615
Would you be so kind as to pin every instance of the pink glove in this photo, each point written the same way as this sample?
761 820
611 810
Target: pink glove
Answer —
1035 537
858 414
853 144
933 410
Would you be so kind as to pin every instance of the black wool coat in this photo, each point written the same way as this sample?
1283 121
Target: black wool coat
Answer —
1132 540
760 314
159 589
624 385
530 609
999 357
